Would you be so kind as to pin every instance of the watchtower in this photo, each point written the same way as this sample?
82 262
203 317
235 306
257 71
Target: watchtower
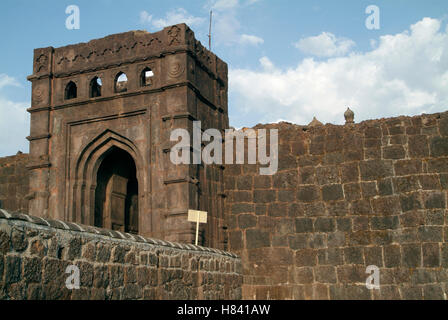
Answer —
101 117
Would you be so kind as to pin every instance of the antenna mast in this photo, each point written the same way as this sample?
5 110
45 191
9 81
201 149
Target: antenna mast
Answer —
210 32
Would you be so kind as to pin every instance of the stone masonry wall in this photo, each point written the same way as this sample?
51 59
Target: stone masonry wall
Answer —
345 197
14 183
34 255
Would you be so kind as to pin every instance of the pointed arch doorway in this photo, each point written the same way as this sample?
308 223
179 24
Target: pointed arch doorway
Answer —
116 192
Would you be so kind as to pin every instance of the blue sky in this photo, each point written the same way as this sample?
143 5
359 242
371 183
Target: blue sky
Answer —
288 60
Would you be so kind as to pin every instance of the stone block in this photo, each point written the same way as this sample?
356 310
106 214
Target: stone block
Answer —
257 239
13 269
375 169
308 193
349 172
304 225
384 223
394 152
354 255
332 192
322 224
325 274
352 191
434 200
439 147
327 175
387 205
418 146
411 256
247 221
32 270
264 196
431 255
306 258
392 256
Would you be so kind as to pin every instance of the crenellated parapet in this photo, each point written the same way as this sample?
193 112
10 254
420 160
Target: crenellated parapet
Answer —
124 48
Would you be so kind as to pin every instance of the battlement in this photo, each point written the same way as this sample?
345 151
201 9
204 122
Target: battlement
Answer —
124 48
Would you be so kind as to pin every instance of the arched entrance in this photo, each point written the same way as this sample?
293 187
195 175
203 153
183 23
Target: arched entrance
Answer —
116 192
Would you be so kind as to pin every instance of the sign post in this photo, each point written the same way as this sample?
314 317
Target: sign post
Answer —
198 217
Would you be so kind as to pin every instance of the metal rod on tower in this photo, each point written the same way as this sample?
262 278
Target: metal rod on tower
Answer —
210 32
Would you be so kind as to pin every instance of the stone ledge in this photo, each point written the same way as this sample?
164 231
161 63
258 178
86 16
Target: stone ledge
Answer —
70 226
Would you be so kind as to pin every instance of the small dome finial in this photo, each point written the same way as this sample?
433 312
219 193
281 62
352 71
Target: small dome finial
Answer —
349 116
315 123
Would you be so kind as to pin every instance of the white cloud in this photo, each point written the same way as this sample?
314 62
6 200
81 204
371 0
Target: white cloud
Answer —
325 45
251 39
14 121
227 31
267 64
6 80
226 24
14 124
406 73
226 28
176 16
145 17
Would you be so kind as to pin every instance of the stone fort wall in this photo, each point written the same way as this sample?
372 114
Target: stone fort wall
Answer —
344 198
14 182
35 252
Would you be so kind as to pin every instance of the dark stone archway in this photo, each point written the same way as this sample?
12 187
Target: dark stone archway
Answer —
116 194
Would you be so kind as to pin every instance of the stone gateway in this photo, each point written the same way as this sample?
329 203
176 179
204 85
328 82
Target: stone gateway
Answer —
101 117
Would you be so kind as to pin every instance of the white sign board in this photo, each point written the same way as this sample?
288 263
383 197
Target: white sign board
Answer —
198 217
194 216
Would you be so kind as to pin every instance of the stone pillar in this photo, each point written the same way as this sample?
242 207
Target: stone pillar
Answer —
40 111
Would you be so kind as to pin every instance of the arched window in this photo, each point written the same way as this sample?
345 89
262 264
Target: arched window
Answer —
146 77
121 83
70 91
95 87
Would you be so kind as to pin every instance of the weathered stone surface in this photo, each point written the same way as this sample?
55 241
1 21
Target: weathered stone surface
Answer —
32 270
308 193
411 255
306 258
111 274
392 256
19 241
439 147
14 183
4 242
375 169
257 239
324 225
304 225
13 269
345 196
332 192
